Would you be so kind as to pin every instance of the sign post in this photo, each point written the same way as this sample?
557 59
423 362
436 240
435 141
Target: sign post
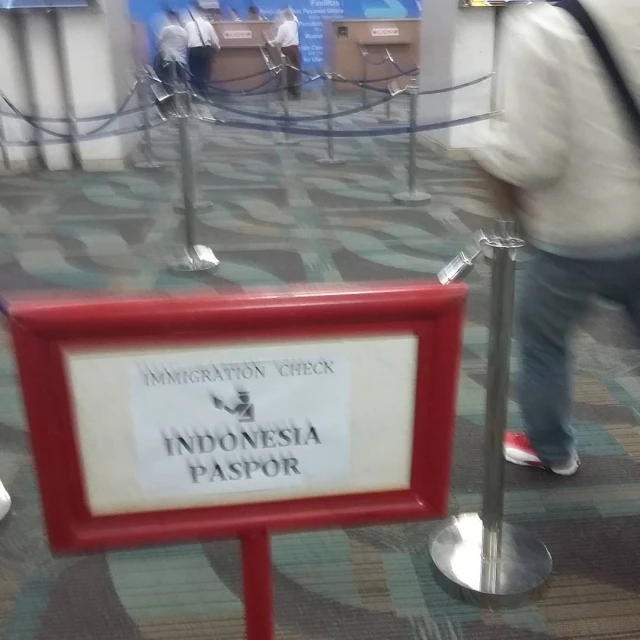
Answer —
159 419
257 586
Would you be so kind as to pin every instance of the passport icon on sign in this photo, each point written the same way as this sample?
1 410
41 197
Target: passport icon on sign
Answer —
242 409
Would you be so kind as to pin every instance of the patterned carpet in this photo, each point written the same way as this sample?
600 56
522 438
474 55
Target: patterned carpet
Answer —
280 218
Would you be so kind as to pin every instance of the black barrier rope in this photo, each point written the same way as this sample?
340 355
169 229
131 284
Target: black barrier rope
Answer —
253 75
85 137
355 133
399 69
385 78
279 122
253 126
309 118
427 92
249 92
31 118
464 85
365 54
263 93
34 122
275 72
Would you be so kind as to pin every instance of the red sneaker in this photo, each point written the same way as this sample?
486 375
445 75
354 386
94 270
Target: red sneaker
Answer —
517 450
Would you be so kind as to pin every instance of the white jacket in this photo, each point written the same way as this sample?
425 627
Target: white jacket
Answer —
564 138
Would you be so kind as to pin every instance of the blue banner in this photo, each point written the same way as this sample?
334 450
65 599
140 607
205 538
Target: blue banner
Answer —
312 14
42 4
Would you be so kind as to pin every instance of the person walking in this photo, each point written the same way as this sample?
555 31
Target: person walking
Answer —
566 154
287 38
203 41
5 502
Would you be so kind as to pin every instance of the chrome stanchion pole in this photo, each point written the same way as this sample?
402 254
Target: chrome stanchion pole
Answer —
6 159
73 134
393 92
193 257
387 118
479 557
328 90
183 108
272 69
284 97
363 89
412 196
144 99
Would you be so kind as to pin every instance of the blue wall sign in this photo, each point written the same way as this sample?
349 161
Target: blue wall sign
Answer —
311 13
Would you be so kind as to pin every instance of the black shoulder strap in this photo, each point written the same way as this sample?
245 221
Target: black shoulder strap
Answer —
579 13
198 28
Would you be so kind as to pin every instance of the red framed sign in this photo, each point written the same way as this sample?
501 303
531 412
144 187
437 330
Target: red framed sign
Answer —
163 418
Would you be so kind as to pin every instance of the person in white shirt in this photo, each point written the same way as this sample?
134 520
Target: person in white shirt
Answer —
5 502
203 41
172 54
172 41
567 150
287 38
279 17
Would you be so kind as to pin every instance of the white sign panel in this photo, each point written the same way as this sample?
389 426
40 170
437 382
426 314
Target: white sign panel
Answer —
231 426
385 32
237 35
172 427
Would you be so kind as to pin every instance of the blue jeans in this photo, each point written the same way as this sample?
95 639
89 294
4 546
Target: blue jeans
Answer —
553 298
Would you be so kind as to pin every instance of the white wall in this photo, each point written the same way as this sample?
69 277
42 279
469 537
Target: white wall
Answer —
13 86
94 74
47 86
457 46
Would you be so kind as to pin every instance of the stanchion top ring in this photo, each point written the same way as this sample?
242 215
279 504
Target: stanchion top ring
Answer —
498 242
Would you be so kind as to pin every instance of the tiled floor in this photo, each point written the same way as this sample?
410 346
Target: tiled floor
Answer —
278 218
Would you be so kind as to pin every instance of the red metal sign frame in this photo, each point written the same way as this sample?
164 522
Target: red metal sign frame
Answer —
42 328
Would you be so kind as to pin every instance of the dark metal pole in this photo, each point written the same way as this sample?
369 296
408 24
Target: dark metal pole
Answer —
188 184
503 565
498 367
413 122
6 159
144 98
63 66
412 196
328 90
19 23
193 257
285 102
364 53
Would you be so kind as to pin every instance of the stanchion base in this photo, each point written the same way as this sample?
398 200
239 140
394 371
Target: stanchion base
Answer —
201 258
411 197
383 120
521 573
147 165
330 160
200 207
